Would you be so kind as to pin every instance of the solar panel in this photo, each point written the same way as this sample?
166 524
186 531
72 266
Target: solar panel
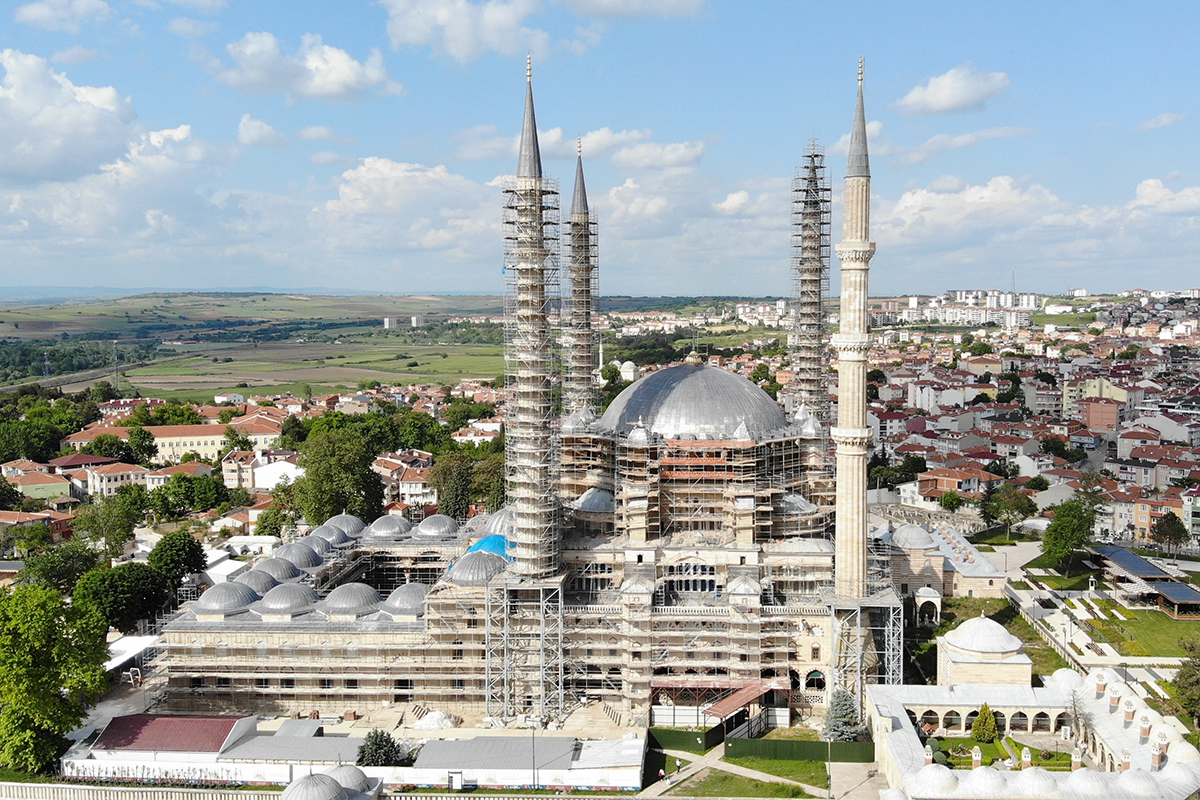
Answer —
1131 562
1177 592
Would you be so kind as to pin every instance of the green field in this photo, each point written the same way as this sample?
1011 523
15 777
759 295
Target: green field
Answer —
714 783
1155 631
811 772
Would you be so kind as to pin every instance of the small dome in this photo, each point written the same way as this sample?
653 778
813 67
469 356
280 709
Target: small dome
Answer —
1184 753
314 787
288 598
579 421
594 501
278 569
352 525
476 569
389 525
225 597
1088 781
332 534
350 598
436 526
893 794
258 580
983 635
794 503
1036 782
350 777
913 537
494 543
407 599
937 778
986 780
1137 781
499 523
319 546
301 555
1066 678
1180 775
927 591
1164 731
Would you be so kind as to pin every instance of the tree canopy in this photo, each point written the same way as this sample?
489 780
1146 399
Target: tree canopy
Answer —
1169 531
61 566
123 595
1009 506
379 749
1068 532
842 720
52 658
176 556
983 729
338 477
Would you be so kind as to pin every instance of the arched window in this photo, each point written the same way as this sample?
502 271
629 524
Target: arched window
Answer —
1018 722
816 652
1061 720
815 681
930 719
952 721
1041 721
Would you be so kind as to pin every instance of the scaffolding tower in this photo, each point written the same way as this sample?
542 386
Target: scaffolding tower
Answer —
809 356
523 658
581 343
530 307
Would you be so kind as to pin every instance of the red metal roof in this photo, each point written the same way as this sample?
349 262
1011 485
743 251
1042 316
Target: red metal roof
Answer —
174 734
742 698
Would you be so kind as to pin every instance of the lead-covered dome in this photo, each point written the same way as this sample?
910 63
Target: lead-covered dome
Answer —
913 537
278 568
319 545
476 569
301 555
694 400
350 777
287 598
225 597
350 598
314 786
437 525
406 599
389 525
331 533
983 635
258 580
352 525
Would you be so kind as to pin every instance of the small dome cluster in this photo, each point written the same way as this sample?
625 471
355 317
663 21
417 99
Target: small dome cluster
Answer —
343 782
476 568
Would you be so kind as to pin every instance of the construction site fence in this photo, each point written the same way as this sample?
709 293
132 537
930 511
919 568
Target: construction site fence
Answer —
690 741
850 752
68 791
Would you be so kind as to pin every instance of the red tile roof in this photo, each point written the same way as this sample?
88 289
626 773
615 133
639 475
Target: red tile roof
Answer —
175 734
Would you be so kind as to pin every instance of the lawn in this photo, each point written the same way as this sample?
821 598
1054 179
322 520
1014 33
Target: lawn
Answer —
1073 576
1155 631
991 751
996 536
1059 759
811 772
801 733
714 783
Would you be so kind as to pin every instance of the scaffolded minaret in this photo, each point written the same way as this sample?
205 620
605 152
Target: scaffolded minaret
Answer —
523 614
811 198
531 214
580 341
851 435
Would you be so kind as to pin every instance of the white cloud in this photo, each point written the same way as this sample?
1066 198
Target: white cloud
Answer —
733 202
202 6
316 70
75 54
190 28
634 8
325 157
62 15
1153 196
481 143
1161 121
652 155
52 129
875 143
960 89
466 30
944 142
256 133
322 133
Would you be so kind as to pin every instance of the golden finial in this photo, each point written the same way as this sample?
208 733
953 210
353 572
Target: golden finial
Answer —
860 68
579 146
529 68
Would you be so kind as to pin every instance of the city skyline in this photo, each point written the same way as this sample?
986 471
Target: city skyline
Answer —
192 143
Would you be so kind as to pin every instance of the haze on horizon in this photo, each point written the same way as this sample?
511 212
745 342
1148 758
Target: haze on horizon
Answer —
188 144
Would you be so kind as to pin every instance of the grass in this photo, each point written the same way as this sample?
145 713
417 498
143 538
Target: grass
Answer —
991 751
1061 320
996 537
1074 577
813 773
1150 630
800 733
9 775
1057 760
714 783
1021 586
957 609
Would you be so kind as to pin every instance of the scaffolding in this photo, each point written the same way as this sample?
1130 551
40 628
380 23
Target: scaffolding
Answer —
530 305
524 646
809 356
581 343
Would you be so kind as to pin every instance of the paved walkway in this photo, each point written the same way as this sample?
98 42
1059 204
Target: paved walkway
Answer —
854 782
712 760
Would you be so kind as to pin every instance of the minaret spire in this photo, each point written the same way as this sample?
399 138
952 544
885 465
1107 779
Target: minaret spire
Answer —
579 202
852 341
529 164
580 341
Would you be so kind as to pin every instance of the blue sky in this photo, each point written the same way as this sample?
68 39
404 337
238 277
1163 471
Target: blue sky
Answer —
190 144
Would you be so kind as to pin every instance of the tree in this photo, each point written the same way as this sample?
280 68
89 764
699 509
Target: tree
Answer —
235 440
951 501
292 433
338 477
379 749
876 376
142 446
10 496
1037 483
1054 446
841 720
760 373
1169 531
123 595
1187 679
110 446
31 538
226 416
980 349
108 525
52 658
487 481
1069 531
983 729
176 556
451 476
61 566
1009 505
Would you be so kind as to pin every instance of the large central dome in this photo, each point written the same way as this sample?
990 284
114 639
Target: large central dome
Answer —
694 400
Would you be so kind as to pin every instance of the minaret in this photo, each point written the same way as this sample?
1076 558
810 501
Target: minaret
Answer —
579 341
851 342
528 423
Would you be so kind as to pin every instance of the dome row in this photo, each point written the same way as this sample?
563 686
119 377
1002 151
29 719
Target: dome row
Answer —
293 598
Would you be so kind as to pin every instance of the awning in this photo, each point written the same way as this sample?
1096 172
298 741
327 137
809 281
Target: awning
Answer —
742 698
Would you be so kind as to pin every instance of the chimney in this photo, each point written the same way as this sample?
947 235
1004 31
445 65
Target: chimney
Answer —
928 755
1143 729
1156 757
976 757
1130 710
1125 757
1026 758
1101 684
1076 759
1114 699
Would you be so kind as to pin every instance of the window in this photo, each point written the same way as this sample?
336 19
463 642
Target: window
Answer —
458 683
262 683
287 683
197 682
223 683
816 652
352 683
326 683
